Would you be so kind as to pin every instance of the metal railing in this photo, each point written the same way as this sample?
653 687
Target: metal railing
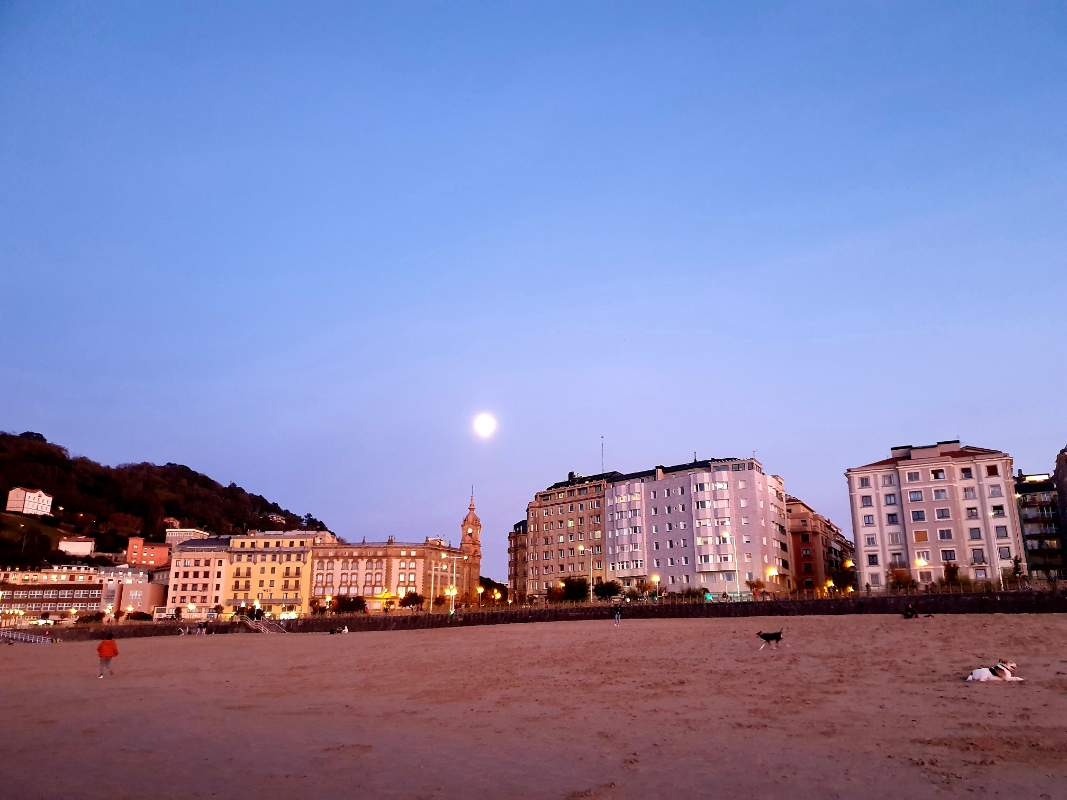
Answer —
19 636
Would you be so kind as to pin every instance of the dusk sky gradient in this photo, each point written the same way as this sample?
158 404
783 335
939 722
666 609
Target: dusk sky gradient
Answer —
300 246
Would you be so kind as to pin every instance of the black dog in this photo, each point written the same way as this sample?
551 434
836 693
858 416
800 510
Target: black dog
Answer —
771 639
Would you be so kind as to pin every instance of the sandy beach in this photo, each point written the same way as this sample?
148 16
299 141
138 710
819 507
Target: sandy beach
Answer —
870 706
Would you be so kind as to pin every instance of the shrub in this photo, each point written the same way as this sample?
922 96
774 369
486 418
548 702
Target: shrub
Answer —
139 616
410 600
89 619
575 589
607 590
353 604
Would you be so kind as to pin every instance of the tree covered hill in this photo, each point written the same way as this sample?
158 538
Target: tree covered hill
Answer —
113 503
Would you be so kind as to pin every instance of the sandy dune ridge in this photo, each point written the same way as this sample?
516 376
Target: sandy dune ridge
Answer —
871 706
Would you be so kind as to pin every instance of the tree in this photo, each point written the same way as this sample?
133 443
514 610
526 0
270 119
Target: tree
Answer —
353 604
756 585
89 619
411 600
607 590
555 594
218 609
900 579
952 573
139 616
645 588
575 590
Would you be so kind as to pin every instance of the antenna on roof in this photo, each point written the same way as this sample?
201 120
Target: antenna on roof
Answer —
601 453
694 456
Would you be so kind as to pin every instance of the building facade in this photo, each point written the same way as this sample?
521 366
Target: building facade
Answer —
198 573
382 573
820 549
927 507
518 558
129 589
176 536
710 525
77 545
1043 529
563 536
59 592
271 570
28 501
148 554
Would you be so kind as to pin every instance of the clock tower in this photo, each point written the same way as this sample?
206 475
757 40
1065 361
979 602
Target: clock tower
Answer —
471 547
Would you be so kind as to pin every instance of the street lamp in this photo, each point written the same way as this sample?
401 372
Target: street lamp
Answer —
655 580
583 552
481 589
329 598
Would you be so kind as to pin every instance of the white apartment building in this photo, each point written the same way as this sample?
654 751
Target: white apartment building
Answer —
925 507
27 501
176 536
709 525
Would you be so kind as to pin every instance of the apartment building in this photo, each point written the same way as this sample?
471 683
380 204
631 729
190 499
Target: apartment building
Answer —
176 536
29 501
563 536
925 507
270 570
518 560
128 589
58 592
149 554
710 524
820 549
385 572
77 545
1043 528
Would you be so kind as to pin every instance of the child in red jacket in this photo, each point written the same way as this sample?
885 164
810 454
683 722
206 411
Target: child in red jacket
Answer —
107 651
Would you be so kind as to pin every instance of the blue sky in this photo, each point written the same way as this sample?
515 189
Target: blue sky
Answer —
300 246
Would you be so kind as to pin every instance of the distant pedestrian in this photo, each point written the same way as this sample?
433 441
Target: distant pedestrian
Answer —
725 597
618 615
107 650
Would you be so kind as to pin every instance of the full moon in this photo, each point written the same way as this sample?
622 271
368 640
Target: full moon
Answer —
484 425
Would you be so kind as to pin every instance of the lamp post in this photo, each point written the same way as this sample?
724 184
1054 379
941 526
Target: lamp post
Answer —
453 592
481 590
655 580
589 563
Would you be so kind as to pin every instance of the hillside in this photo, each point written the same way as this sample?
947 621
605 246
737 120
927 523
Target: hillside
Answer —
113 503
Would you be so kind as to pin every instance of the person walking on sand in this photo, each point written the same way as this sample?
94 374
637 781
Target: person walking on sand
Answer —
107 650
618 615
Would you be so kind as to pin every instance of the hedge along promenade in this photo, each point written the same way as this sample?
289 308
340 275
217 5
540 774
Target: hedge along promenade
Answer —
989 603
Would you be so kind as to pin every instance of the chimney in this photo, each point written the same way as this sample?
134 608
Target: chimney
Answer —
570 476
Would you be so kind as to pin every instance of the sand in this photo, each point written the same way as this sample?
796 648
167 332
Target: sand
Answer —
865 706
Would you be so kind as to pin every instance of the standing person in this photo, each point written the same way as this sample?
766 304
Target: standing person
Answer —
107 650
618 615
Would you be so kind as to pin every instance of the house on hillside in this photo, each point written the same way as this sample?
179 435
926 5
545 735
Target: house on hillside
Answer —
28 501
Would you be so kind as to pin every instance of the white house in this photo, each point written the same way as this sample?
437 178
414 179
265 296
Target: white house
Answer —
77 545
26 501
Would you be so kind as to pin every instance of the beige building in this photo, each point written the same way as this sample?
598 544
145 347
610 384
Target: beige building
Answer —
198 573
382 573
563 537
176 536
77 545
926 507
271 570
820 549
28 501
60 592
129 589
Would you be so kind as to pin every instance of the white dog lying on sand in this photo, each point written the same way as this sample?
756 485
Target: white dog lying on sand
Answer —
1001 672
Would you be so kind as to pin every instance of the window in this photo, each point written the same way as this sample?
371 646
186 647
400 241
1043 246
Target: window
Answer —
807 567
890 499
948 555
966 473
918 516
996 491
887 480
806 551
937 474
979 555
912 477
894 538
1004 553
972 513
876 579
866 501
943 513
1002 531
944 534
892 519
868 520
969 493
865 483
871 541
915 497
920 536
922 555
872 560
991 471
940 494
998 511
975 533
